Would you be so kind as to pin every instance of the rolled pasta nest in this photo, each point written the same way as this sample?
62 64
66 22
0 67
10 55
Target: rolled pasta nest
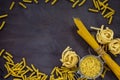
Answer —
69 58
114 46
104 36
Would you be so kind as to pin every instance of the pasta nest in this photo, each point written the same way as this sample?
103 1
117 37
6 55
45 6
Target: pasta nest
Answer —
104 36
114 46
69 58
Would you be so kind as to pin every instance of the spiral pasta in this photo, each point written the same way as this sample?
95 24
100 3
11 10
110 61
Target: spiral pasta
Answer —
114 46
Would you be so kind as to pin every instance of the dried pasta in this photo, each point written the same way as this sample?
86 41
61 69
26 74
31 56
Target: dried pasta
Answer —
12 5
69 58
90 67
27 1
114 46
1 52
103 7
2 25
23 5
20 70
3 16
104 36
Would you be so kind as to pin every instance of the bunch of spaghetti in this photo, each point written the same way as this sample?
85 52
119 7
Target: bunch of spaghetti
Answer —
84 33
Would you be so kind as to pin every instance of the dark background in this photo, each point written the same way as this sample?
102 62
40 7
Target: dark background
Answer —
41 32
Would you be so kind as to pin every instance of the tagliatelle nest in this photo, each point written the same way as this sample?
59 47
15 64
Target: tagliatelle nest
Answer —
104 36
114 46
69 58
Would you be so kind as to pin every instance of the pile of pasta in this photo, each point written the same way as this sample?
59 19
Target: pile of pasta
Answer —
22 71
91 66
106 38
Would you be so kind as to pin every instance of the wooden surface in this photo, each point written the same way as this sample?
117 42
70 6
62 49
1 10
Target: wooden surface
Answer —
41 32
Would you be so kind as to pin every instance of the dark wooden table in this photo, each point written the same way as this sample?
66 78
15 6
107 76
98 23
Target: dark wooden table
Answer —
41 32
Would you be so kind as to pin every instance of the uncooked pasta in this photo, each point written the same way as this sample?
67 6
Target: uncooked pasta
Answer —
90 66
114 46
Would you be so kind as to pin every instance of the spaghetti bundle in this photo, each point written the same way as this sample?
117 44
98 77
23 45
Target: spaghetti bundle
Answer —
114 46
84 33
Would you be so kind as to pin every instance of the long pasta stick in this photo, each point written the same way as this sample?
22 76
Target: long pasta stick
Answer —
84 33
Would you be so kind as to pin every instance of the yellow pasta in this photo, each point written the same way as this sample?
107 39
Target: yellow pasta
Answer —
29 68
93 10
94 2
84 33
75 3
53 2
72 0
3 16
33 67
21 4
1 52
46 1
69 58
17 79
97 5
12 5
2 25
82 2
7 53
27 1
36 1
114 46
90 66
110 20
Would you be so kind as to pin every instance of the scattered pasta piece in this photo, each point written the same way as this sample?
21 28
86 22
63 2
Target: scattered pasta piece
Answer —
36 1
52 3
114 46
7 53
81 3
46 1
2 25
110 20
27 1
3 16
69 58
104 72
12 5
93 10
103 7
90 67
1 52
23 5
75 3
